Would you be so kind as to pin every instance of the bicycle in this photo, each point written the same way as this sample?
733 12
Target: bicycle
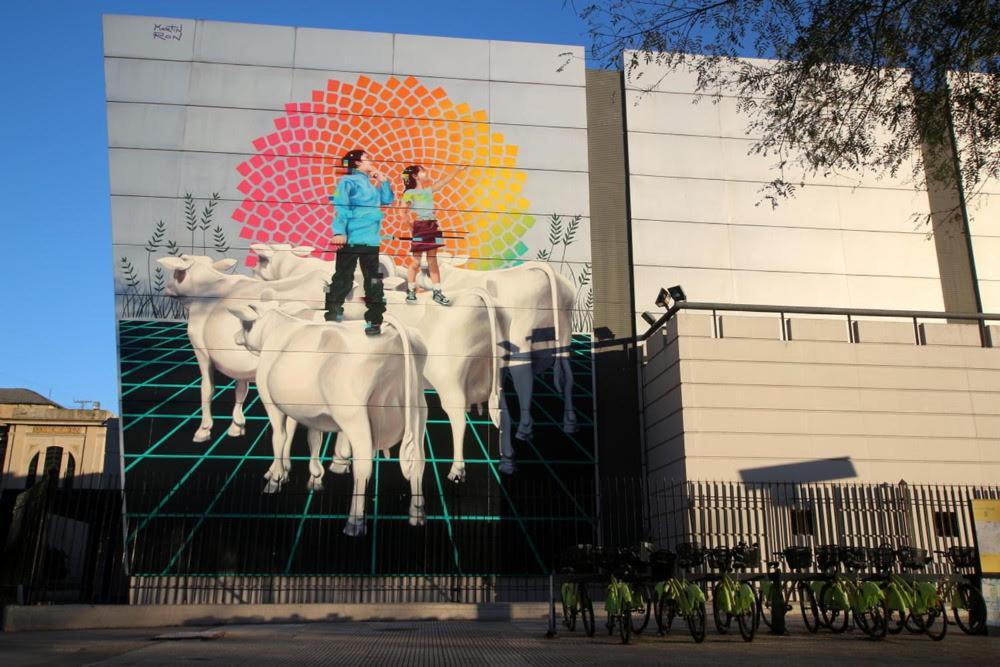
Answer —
730 596
676 596
915 605
967 604
847 595
583 559
798 559
622 601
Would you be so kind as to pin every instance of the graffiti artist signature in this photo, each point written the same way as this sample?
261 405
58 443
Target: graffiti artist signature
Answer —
167 31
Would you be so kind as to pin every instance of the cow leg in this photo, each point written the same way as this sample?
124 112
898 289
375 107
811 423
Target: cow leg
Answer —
507 465
239 425
204 431
276 475
315 439
524 379
456 415
341 455
361 441
286 449
418 516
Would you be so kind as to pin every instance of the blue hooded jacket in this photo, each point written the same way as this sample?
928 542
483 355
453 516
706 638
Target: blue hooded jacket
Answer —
358 213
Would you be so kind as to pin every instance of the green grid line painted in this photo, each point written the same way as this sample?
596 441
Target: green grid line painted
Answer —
444 508
201 520
374 514
513 508
305 510
387 459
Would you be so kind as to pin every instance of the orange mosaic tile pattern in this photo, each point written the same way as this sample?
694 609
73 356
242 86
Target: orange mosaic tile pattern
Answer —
288 182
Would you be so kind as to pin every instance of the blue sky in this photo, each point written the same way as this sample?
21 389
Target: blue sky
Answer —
57 333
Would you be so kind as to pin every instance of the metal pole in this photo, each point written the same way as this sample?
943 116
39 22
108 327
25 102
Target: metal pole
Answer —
552 611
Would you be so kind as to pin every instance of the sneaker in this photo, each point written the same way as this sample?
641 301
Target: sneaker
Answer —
411 296
373 329
439 297
334 317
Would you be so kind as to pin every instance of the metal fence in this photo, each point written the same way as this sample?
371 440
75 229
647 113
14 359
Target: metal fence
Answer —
776 515
95 543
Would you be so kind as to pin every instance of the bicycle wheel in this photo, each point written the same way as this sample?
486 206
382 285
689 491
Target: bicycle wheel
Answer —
807 605
625 625
832 616
696 623
872 621
664 612
971 618
722 619
895 621
934 622
586 611
746 620
569 615
643 609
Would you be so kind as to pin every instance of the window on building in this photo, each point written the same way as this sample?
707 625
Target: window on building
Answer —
802 522
29 479
70 471
946 524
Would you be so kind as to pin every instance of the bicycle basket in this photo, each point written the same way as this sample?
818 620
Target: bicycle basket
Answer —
962 556
662 563
720 558
882 558
827 556
746 557
690 554
799 558
854 558
580 557
913 558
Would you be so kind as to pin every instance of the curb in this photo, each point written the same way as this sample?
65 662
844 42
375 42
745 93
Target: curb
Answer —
18 618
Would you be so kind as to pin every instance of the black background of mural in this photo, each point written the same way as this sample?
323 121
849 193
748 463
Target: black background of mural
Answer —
198 508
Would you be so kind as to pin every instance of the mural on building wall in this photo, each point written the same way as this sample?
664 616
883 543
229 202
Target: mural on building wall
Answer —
457 351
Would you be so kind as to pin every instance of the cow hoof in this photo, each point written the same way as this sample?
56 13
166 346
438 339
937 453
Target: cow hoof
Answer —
353 529
418 520
523 435
236 430
340 467
507 466
457 473
204 434
315 483
272 486
570 427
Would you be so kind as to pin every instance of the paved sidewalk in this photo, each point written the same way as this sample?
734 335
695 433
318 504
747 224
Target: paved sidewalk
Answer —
474 644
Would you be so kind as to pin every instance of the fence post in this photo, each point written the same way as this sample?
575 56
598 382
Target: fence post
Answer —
552 610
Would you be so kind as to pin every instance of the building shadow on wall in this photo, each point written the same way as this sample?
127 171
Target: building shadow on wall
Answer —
820 470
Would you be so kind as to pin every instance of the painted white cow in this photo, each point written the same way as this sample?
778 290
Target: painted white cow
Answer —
330 376
536 305
200 284
463 362
281 260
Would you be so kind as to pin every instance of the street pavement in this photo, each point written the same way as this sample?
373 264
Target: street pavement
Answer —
473 644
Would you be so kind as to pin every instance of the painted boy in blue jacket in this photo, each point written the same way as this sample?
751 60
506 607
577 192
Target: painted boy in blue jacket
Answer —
357 229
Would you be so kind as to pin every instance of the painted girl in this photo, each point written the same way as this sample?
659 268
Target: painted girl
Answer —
426 235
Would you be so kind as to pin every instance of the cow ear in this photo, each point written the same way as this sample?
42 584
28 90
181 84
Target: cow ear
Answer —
244 312
224 265
175 263
268 295
281 247
302 251
262 249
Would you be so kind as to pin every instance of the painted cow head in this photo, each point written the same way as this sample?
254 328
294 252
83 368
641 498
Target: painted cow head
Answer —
193 275
273 260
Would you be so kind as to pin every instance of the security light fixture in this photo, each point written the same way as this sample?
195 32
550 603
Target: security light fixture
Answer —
649 317
675 294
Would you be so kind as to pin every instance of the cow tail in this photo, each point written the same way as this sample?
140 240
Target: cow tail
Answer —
411 447
561 350
495 388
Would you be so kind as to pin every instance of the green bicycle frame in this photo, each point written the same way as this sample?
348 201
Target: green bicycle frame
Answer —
687 596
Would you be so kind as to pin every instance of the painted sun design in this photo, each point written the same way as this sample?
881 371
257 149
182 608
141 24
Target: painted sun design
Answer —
288 181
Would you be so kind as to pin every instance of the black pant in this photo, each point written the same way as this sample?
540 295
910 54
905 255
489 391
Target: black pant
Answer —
343 279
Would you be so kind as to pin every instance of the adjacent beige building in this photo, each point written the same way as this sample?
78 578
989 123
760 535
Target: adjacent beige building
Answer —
37 434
